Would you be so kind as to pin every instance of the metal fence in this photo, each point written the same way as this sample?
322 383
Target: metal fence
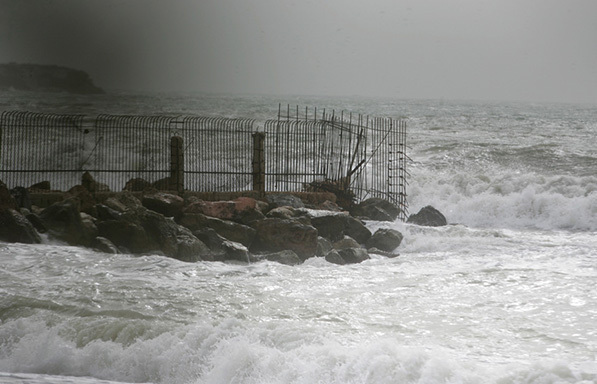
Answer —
363 156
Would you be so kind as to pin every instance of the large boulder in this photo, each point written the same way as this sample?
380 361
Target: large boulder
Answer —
141 230
244 210
137 185
286 257
63 220
221 248
335 227
275 235
85 199
7 200
230 230
167 204
21 196
284 200
385 239
91 185
428 216
15 228
353 255
376 209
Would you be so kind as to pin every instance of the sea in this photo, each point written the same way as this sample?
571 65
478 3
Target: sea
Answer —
504 294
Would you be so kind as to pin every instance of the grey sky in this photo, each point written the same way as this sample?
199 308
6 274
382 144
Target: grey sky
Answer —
543 50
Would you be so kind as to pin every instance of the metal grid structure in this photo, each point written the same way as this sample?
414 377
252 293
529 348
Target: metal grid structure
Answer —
362 156
36 147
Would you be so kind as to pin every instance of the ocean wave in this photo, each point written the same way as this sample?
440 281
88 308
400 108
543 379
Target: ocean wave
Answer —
235 352
495 198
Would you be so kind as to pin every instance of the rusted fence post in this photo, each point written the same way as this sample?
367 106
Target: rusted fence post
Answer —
176 164
259 162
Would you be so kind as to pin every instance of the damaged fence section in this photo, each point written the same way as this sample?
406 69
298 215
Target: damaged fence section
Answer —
353 156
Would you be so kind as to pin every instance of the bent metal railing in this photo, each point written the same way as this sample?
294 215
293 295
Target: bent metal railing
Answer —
365 157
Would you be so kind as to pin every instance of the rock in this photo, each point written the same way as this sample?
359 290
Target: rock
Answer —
137 185
15 228
91 185
21 196
221 248
35 220
335 227
101 244
164 184
286 257
382 253
64 223
334 257
428 216
127 234
323 246
42 186
144 231
7 201
289 213
284 200
385 239
103 213
376 209
353 255
230 230
329 206
346 242
85 200
275 235
123 202
244 210
167 204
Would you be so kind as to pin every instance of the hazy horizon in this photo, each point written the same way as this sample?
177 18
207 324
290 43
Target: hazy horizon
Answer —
525 50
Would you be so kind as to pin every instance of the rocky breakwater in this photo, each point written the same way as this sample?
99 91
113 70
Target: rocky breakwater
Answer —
278 228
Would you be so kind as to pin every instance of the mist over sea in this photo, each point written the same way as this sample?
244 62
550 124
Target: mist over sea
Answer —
505 294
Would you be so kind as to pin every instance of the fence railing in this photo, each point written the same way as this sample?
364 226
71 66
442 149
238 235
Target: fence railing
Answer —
365 157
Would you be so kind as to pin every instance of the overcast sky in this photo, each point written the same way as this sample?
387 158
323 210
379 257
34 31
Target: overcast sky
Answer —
538 50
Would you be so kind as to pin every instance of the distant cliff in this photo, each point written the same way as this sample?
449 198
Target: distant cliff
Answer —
48 78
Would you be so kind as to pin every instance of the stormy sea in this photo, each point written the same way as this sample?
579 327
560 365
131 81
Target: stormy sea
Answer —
506 293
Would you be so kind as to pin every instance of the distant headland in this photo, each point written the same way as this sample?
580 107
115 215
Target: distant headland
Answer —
46 78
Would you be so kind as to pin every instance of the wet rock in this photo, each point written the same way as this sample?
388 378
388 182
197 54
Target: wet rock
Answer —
385 239
101 244
376 209
346 242
244 210
167 204
335 227
85 199
64 223
323 246
21 196
221 248
41 186
103 213
275 235
286 257
7 201
230 230
91 185
428 216
137 185
334 257
382 253
284 200
123 202
354 255
15 228
35 220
